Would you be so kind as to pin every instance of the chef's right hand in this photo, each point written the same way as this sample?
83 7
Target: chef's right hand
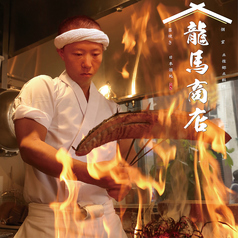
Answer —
116 181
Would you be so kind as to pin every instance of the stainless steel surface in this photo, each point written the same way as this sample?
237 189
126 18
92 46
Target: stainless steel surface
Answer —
7 135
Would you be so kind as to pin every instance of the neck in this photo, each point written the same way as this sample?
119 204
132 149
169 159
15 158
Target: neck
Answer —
85 91
86 95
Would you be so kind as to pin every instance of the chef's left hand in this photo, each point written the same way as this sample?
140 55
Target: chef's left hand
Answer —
120 192
123 184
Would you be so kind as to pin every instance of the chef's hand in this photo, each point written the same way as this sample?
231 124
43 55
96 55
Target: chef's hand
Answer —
117 182
123 186
119 193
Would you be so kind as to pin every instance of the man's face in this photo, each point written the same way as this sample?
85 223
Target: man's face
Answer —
82 60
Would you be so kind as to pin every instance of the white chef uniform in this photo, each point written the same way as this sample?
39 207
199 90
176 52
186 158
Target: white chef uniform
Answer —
59 105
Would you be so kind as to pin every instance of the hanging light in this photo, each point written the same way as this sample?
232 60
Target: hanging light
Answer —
107 92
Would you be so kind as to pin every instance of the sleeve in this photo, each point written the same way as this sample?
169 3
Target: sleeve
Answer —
36 101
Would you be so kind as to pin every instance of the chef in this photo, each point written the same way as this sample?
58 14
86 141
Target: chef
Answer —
53 113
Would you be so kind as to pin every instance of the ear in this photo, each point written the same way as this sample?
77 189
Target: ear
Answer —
61 53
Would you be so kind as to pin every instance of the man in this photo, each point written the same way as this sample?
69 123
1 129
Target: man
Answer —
55 113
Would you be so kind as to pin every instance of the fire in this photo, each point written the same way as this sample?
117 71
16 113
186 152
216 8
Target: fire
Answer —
128 40
208 208
209 190
131 38
139 225
166 153
97 170
215 194
125 74
67 213
69 217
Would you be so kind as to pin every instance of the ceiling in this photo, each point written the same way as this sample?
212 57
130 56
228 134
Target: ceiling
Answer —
34 22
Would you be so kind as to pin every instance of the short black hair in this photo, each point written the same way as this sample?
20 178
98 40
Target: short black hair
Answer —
76 22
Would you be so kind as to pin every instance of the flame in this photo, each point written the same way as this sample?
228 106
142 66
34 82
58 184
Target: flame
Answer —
125 74
215 194
107 229
136 36
128 40
97 170
69 217
139 225
210 191
65 211
166 153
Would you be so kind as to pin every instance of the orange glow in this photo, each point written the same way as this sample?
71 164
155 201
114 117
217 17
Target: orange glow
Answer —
167 153
125 74
97 170
128 40
139 225
67 213
131 39
210 191
215 194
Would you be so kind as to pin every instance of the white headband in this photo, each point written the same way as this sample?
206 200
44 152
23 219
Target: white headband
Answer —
81 34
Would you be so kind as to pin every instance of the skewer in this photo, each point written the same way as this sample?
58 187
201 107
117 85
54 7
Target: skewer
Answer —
129 149
147 152
140 151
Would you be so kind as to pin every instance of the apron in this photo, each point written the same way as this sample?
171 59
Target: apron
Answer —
40 224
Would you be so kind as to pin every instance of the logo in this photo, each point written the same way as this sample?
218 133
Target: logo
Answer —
194 8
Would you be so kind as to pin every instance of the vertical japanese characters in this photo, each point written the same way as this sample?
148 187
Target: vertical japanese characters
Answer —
196 35
223 67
